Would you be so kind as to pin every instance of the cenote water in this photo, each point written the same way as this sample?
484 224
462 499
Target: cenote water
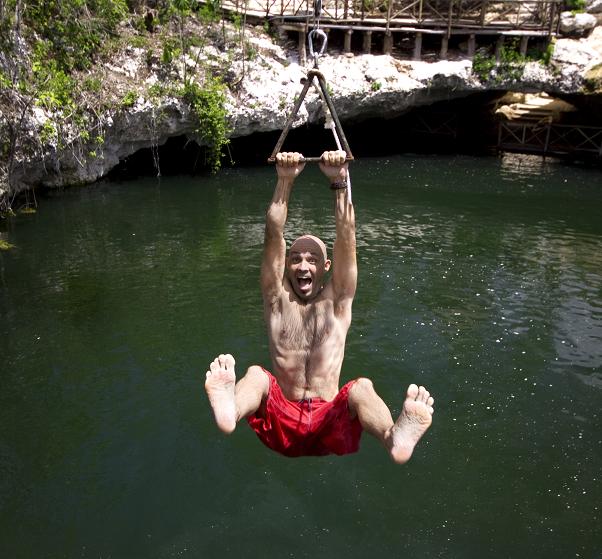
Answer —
479 278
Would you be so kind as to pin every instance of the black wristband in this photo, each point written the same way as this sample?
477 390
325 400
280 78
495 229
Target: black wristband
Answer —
338 185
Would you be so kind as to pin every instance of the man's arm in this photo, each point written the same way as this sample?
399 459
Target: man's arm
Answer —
288 167
344 272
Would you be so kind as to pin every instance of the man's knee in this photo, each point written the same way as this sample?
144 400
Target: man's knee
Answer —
362 388
256 371
258 376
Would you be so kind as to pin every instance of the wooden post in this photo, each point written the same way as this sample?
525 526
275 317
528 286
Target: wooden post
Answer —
483 13
524 41
302 52
417 46
547 143
388 43
552 17
499 45
444 46
499 134
471 45
367 41
450 13
347 41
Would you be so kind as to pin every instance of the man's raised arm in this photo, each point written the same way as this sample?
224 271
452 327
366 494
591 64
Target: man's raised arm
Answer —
344 272
288 167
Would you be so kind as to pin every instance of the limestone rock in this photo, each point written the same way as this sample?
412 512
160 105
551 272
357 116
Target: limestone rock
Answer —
361 86
577 25
594 6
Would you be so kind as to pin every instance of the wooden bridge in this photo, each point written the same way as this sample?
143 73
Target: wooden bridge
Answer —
387 24
551 139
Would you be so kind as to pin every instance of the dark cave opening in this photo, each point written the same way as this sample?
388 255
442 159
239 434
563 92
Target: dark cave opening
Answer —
462 126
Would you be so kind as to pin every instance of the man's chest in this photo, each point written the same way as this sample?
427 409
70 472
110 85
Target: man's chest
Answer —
303 326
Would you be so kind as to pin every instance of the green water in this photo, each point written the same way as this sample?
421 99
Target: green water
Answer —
479 278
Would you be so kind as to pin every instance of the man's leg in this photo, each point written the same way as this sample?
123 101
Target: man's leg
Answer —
231 400
399 437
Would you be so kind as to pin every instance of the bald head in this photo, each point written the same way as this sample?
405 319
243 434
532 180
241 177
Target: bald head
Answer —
309 243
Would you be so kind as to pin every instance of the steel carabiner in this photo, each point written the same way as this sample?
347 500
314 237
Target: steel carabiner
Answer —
310 42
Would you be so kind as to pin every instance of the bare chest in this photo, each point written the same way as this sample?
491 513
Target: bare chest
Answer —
304 327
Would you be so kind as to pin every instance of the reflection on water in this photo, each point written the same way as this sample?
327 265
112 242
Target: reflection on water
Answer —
480 278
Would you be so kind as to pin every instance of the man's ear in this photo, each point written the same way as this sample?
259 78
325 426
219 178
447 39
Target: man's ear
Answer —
327 264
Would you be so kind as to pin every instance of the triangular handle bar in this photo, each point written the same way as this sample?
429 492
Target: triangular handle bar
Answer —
339 129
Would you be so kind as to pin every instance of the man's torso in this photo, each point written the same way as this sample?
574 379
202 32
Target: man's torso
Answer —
307 343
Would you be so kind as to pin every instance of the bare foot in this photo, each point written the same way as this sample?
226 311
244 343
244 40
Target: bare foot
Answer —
412 423
219 384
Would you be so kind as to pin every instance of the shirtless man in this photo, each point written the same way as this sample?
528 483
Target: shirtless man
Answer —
300 410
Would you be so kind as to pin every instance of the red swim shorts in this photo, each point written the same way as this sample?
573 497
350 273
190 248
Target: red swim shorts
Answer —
312 427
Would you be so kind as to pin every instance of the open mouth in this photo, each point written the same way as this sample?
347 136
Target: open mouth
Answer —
304 284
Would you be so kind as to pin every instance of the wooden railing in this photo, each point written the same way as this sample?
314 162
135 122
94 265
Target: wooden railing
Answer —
506 14
549 138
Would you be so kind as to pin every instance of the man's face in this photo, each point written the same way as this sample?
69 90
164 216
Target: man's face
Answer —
306 266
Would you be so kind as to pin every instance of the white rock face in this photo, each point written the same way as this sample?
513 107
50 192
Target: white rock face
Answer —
361 86
577 24
594 6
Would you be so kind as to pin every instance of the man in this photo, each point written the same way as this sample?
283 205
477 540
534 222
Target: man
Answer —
300 409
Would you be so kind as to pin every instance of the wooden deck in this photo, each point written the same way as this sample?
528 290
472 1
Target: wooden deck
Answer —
535 15
385 24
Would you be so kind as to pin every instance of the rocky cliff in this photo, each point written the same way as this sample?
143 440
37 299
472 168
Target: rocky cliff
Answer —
139 111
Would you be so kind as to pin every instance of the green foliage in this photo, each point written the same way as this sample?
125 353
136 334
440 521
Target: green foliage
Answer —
375 86
55 86
5 81
171 50
237 21
208 104
180 7
157 90
92 84
139 41
510 67
129 99
482 65
5 245
72 31
250 51
210 11
546 57
48 133
575 6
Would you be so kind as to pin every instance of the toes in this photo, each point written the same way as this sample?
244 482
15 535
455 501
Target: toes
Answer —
412 391
423 395
215 366
420 394
229 362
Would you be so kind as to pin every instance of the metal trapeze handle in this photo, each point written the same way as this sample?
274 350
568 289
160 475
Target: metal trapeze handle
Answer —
324 89
309 159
